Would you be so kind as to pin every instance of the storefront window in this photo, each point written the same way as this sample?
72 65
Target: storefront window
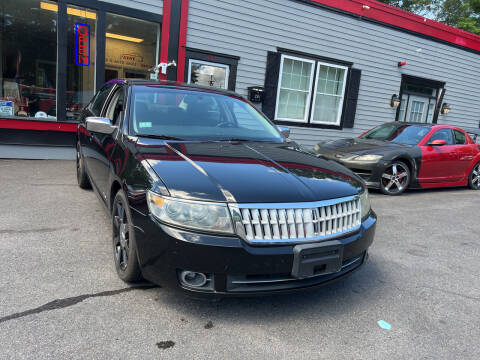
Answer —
131 47
208 74
80 59
28 53
29 42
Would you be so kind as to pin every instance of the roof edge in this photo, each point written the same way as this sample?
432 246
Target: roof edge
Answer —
390 15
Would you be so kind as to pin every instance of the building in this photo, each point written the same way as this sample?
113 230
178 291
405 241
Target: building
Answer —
326 68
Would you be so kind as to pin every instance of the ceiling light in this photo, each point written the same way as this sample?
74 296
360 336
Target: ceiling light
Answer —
123 37
70 11
82 13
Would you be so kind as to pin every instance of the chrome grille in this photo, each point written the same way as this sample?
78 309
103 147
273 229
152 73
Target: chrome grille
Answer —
272 223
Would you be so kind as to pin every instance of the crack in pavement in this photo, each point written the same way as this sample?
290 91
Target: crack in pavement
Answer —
67 302
28 231
453 293
50 184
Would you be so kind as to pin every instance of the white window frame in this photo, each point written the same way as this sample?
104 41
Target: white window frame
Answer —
280 75
342 97
226 67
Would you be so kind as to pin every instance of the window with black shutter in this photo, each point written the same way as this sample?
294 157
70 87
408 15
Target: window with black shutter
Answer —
307 90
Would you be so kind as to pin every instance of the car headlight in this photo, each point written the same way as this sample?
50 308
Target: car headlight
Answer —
365 204
368 157
196 215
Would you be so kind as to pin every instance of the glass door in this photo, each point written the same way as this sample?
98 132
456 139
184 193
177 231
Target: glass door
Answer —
417 109
81 48
419 99
414 108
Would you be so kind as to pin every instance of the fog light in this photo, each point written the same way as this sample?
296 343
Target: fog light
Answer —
193 279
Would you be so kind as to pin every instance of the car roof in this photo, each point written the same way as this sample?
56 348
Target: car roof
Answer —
445 126
174 85
432 126
401 123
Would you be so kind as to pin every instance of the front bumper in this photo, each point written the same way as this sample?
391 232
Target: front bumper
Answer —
236 268
370 172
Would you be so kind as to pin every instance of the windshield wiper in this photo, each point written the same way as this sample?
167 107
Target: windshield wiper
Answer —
160 137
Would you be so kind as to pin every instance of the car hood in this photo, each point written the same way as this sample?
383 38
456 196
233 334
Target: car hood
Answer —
357 146
246 172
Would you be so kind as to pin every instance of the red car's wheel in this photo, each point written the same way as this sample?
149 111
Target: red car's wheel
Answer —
474 178
395 179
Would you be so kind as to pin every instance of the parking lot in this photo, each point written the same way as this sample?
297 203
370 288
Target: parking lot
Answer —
60 296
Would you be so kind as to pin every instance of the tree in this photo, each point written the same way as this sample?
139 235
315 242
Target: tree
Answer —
421 7
464 14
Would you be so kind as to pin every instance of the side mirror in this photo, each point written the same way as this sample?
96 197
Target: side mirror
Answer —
284 130
100 125
437 143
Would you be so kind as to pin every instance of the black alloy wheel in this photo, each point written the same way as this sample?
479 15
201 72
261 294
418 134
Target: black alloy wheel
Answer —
395 179
474 178
124 247
82 177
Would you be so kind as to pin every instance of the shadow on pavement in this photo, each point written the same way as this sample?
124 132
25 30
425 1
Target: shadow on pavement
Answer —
339 296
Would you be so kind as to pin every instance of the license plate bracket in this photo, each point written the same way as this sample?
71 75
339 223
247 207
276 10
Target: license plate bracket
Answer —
317 259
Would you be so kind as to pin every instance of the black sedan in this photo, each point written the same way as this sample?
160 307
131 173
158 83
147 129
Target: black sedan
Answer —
395 156
206 193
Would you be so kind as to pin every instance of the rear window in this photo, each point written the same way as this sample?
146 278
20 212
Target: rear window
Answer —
191 114
459 137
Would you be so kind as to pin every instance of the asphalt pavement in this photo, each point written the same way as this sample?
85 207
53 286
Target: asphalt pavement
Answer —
60 296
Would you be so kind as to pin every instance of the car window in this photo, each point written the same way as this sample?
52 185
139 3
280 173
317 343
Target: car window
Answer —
242 114
115 106
99 99
404 134
459 137
197 114
442 134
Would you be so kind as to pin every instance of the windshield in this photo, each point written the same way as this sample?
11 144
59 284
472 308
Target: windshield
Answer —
404 134
199 115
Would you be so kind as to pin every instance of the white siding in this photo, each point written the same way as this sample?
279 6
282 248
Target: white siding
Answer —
251 28
153 6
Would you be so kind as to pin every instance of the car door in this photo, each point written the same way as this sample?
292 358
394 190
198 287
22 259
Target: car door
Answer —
94 108
464 152
439 162
103 145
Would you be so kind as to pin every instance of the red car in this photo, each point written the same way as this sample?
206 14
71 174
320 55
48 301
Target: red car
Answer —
396 156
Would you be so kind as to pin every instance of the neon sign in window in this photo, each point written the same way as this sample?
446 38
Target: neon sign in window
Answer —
82 44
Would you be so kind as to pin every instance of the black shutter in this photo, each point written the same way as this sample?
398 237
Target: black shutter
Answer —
351 98
271 83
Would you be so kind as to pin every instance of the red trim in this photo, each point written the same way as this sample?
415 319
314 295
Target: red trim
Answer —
182 41
167 5
37 125
391 15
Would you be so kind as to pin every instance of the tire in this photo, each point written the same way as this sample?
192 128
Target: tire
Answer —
474 177
82 177
123 240
395 179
